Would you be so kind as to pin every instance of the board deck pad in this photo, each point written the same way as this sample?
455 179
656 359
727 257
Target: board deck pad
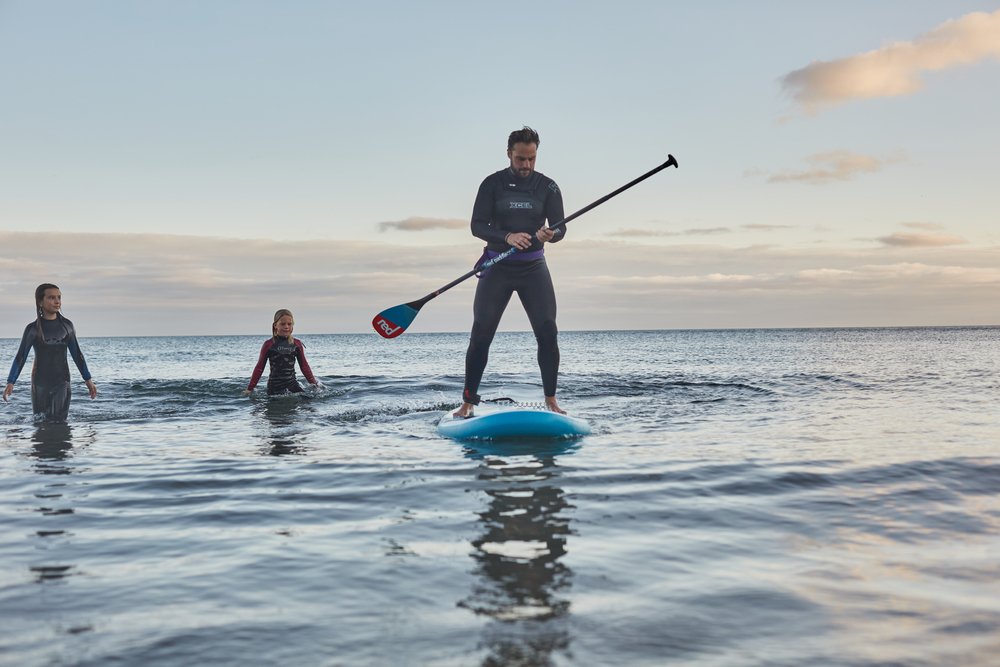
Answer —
515 420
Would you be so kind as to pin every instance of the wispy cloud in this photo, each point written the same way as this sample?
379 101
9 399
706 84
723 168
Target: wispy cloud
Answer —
766 228
149 283
704 285
895 69
911 240
933 226
416 224
831 167
885 276
138 284
636 232
653 233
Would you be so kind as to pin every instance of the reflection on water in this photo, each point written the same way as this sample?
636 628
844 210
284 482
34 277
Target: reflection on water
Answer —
282 429
52 447
522 584
50 442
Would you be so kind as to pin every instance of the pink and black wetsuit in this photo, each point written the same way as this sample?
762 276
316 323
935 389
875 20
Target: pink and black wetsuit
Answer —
282 355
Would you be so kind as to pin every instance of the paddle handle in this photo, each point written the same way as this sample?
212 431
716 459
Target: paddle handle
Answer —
671 162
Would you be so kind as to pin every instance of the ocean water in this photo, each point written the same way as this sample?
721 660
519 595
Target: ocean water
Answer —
757 497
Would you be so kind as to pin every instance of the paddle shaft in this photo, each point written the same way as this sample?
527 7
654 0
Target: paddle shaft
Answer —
671 162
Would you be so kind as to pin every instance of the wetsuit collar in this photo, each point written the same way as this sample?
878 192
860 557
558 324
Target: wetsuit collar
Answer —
518 178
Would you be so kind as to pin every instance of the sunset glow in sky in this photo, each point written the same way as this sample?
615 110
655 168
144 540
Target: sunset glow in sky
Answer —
187 167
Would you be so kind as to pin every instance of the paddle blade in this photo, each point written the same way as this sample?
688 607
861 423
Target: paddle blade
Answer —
393 321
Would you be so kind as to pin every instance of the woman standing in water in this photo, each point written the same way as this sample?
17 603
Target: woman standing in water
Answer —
51 335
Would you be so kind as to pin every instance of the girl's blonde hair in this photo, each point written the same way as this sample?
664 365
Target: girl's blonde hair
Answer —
278 314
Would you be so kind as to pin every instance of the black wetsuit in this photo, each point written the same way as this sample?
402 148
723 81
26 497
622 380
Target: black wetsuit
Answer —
50 388
509 203
281 355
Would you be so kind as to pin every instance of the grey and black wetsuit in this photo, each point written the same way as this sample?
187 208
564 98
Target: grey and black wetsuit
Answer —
50 388
282 355
509 203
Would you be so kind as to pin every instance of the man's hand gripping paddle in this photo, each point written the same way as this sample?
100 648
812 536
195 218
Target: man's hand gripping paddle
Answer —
391 322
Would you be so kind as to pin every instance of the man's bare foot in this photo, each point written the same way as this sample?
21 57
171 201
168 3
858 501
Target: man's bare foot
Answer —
551 404
463 412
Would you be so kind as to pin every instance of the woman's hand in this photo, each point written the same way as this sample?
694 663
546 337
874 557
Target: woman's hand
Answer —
8 390
92 388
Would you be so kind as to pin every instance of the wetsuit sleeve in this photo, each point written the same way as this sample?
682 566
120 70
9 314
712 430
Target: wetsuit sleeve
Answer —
258 370
76 352
300 352
554 211
21 358
482 213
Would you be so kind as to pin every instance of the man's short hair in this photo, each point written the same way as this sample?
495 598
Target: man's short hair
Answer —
523 136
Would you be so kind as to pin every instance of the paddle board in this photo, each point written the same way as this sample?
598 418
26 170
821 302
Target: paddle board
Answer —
512 421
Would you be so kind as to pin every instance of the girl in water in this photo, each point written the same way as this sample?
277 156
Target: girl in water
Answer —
281 350
51 335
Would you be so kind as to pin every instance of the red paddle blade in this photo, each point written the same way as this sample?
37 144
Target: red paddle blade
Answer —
391 322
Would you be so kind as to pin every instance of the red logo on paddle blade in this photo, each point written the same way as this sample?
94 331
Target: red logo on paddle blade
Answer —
385 328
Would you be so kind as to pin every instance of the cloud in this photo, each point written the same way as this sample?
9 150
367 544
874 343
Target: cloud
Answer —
923 225
144 284
150 283
906 240
832 166
894 277
699 286
766 228
895 69
706 230
652 233
416 224
654 283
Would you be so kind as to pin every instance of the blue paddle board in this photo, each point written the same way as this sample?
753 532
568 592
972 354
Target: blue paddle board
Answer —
515 421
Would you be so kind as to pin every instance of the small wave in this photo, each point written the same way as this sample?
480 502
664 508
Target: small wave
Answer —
964 476
632 385
388 411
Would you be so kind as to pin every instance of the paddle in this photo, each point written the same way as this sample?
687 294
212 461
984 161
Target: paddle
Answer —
391 322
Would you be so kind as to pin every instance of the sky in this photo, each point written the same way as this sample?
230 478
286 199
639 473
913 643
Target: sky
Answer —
183 167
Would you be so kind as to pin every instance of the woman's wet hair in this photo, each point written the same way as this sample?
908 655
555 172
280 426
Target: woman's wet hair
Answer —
525 135
39 296
278 314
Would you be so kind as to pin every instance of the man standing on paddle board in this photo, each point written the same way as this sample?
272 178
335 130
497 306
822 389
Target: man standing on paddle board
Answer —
511 210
